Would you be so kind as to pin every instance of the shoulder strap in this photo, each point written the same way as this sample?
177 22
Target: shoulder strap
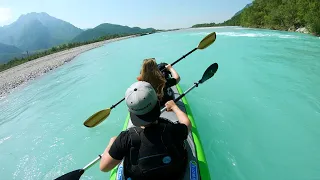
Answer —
164 120
135 144
135 136
166 127
167 138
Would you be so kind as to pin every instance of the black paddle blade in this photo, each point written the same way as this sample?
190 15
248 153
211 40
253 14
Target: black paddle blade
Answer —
74 175
210 71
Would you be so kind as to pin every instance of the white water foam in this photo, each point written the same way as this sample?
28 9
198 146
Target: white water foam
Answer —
237 34
4 139
204 28
255 35
239 27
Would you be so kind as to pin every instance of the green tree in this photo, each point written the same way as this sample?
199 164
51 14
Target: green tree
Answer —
283 14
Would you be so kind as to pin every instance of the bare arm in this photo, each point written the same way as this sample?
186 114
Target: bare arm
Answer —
107 163
173 72
182 117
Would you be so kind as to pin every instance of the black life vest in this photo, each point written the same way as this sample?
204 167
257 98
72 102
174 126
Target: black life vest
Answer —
167 163
168 93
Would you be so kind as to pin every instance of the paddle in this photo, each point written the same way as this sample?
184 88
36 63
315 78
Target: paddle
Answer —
210 71
76 174
99 116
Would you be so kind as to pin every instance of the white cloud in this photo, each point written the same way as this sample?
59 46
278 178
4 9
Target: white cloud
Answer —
5 16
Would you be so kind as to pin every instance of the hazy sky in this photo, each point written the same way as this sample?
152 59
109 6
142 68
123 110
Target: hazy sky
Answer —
161 14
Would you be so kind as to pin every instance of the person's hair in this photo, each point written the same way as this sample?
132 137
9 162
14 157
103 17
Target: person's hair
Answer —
151 74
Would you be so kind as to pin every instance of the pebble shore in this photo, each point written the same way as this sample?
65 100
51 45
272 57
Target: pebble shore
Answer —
18 75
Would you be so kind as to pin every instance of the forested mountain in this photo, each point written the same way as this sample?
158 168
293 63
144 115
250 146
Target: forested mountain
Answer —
109 29
277 14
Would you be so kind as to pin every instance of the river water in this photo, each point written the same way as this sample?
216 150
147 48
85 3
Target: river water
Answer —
258 117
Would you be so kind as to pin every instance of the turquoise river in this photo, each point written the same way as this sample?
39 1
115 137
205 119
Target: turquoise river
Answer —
258 117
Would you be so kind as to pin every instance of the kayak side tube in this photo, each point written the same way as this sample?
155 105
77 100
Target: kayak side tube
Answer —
203 165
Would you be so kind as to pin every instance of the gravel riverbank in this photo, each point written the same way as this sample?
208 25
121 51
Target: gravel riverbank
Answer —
15 76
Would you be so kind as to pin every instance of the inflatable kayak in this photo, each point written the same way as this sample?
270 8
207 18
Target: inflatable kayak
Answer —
197 165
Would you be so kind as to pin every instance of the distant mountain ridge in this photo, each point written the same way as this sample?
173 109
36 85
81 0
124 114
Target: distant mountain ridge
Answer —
109 29
34 31
9 49
8 52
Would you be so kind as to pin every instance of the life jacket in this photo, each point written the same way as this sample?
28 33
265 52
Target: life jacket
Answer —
168 93
167 163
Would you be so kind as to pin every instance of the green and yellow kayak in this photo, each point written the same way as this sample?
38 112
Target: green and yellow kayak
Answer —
197 165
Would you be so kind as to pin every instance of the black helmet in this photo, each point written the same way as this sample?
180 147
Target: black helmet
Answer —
162 65
165 72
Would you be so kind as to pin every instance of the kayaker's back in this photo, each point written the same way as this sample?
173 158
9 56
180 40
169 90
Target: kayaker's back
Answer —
192 170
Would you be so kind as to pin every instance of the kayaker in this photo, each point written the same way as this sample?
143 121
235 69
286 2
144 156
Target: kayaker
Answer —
154 149
172 79
160 81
